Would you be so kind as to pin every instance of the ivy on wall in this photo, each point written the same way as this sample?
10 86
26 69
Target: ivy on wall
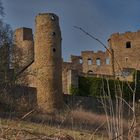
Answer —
97 87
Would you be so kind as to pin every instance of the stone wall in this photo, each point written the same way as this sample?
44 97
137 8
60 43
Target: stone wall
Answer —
96 62
126 48
95 105
69 79
90 63
17 98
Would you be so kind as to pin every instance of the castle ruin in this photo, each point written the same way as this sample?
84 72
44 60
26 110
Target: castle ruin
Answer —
38 61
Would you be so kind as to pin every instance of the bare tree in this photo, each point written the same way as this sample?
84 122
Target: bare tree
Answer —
6 42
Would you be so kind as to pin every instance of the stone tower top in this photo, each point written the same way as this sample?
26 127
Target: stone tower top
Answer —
23 33
45 17
46 14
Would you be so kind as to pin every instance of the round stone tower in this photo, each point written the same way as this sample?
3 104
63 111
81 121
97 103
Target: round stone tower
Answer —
48 62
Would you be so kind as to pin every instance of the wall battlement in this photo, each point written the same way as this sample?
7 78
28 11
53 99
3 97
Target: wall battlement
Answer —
127 33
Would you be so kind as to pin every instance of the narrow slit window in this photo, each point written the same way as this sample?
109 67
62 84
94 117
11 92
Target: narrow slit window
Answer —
128 44
53 33
126 59
54 50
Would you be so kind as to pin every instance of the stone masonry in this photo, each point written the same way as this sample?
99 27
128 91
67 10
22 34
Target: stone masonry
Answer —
40 61
120 61
48 62
45 73
126 48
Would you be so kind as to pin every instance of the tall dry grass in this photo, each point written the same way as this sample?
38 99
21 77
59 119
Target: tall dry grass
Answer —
115 114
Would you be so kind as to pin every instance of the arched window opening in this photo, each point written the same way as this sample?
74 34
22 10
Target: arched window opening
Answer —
89 61
90 72
128 44
98 62
107 61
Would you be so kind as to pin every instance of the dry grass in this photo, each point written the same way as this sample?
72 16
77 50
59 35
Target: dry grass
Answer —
79 120
77 124
21 130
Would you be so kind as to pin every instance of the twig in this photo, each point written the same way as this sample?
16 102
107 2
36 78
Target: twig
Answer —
132 127
97 130
27 114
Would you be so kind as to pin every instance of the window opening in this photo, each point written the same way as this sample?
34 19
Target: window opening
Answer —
54 50
107 61
89 61
126 59
98 62
128 44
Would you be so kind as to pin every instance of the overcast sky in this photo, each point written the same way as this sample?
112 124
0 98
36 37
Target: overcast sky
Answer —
98 17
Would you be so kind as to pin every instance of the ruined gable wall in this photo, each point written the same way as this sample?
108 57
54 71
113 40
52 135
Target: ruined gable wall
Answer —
77 63
95 62
79 66
127 55
70 72
66 66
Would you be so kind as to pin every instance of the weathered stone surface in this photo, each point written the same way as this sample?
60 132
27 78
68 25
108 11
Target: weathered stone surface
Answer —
126 48
48 71
48 62
119 61
24 47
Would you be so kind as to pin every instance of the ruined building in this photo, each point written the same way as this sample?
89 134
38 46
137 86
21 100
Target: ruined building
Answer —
38 62
119 61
